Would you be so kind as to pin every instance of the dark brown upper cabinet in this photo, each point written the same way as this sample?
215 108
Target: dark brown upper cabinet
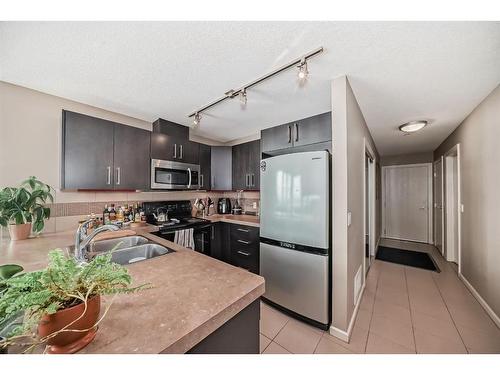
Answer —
205 167
245 166
103 155
308 131
170 141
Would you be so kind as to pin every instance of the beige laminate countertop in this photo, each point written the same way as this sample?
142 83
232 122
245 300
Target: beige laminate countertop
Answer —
193 296
250 220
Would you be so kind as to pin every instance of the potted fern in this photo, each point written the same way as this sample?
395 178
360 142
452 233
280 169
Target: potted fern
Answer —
23 208
61 303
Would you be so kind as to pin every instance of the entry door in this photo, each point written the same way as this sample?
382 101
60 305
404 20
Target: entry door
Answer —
407 202
438 205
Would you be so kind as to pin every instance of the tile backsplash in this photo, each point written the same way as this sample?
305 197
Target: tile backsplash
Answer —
71 207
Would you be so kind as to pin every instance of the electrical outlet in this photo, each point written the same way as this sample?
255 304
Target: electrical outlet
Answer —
254 205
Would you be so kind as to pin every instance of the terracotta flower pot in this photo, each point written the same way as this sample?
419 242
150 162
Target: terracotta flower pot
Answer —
71 342
19 231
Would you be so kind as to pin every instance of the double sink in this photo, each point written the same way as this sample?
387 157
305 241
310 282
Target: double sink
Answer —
127 250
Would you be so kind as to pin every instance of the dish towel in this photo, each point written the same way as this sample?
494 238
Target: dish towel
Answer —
184 238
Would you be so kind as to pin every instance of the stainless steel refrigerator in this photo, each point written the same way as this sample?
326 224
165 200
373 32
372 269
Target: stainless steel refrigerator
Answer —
295 234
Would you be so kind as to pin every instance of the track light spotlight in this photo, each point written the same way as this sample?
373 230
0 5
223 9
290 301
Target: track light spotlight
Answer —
303 72
243 97
197 119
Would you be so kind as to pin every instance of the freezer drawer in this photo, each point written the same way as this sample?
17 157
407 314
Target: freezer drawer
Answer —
297 281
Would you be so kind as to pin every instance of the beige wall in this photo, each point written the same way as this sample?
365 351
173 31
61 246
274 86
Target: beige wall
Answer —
349 133
424 157
30 144
479 136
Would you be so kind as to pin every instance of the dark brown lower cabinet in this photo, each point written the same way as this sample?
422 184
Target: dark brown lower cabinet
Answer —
236 244
240 335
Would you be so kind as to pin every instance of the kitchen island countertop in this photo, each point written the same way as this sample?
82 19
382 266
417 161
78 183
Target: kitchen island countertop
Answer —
193 296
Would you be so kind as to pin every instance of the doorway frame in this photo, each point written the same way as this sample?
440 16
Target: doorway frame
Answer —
443 229
368 150
451 152
430 201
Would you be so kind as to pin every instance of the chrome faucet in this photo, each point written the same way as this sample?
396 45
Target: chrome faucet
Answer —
82 240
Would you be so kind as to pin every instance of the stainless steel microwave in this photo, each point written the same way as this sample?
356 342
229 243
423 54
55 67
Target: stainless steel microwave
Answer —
173 175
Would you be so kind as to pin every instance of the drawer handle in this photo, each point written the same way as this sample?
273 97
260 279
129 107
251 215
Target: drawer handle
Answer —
244 242
243 253
243 230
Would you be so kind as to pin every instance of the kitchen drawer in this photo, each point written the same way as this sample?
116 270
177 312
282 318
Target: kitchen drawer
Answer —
245 259
250 247
244 232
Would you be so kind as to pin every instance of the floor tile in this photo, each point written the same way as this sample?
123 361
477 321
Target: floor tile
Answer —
472 316
394 312
298 337
390 329
394 297
444 328
427 343
327 346
363 319
271 321
274 348
356 344
480 341
264 342
380 345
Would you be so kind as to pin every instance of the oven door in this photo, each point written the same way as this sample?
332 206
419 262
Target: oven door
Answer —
173 175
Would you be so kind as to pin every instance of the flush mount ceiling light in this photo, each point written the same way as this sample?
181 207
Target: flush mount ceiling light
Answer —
413 126
300 63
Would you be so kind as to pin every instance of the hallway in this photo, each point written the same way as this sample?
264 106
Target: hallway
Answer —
403 310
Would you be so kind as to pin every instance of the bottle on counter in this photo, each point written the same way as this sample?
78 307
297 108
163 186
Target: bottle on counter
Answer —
112 213
105 215
119 214
137 213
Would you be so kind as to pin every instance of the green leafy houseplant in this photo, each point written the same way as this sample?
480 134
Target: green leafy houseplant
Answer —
6 327
26 204
63 284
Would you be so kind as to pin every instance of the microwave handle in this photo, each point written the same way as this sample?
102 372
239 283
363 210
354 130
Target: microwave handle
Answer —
189 183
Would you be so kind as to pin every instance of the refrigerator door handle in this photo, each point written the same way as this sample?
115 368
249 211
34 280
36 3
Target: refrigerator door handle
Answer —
289 134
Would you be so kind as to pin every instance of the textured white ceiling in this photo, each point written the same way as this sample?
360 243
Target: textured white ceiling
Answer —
399 71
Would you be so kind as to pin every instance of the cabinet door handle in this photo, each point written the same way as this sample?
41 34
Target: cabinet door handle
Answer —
118 175
213 232
244 242
252 180
213 182
244 253
289 134
175 151
296 132
109 175
180 151
242 230
201 181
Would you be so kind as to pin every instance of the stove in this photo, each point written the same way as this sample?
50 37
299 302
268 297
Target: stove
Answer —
179 218
178 213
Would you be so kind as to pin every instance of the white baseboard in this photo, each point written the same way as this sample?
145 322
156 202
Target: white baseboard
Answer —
481 301
346 335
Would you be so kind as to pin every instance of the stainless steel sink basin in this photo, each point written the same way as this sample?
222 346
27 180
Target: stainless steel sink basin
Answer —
120 243
138 253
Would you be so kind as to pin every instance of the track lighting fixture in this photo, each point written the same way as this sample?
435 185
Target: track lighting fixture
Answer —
197 119
303 72
300 63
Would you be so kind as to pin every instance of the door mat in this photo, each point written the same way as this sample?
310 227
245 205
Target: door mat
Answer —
407 257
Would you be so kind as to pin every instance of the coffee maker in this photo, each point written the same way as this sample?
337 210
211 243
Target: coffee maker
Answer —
224 206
